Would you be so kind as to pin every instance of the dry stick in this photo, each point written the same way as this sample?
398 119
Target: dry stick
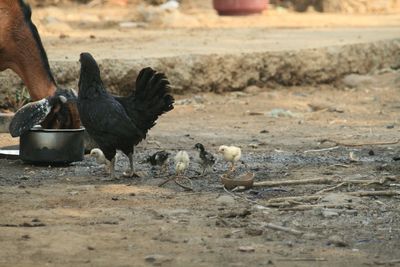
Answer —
331 188
389 262
302 259
310 207
321 150
166 181
294 182
349 182
387 193
337 143
278 202
190 188
175 178
283 229
298 198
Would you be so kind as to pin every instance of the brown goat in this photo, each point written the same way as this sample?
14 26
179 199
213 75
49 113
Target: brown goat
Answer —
21 50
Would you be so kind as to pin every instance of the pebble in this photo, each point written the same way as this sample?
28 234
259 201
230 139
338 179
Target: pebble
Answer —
225 200
157 259
337 241
310 236
254 231
326 213
175 212
246 249
351 212
252 89
357 81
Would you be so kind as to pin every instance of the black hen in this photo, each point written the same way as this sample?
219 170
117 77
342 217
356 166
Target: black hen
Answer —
120 123
207 160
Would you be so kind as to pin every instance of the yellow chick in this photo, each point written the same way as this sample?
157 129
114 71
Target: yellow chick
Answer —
231 154
100 158
181 162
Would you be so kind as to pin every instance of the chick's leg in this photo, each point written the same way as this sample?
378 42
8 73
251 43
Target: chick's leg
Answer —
232 167
163 169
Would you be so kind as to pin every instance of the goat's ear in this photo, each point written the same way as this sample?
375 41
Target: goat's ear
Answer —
26 9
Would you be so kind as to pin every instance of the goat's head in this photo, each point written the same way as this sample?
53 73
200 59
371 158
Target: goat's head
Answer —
21 49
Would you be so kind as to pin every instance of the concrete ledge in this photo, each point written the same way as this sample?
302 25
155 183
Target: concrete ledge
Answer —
227 72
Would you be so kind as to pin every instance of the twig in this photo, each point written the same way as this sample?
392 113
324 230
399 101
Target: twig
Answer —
294 182
310 207
298 198
389 262
283 229
166 181
321 150
175 179
189 188
349 182
338 143
387 193
341 165
302 259
331 188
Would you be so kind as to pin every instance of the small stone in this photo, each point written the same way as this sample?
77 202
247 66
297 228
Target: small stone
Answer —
252 90
253 145
264 131
254 231
225 200
371 153
157 259
390 126
25 237
90 248
198 99
310 236
351 212
357 81
337 241
246 249
115 198
329 213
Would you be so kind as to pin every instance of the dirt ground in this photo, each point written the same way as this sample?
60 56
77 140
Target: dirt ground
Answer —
74 216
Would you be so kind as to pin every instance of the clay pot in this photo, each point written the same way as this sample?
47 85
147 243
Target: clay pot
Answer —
239 7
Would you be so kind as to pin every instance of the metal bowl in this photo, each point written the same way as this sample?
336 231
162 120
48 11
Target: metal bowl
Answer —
52 146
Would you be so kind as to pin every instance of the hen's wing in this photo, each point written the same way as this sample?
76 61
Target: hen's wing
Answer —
107 122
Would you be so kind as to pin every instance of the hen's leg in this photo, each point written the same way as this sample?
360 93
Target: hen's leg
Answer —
131 172
111 166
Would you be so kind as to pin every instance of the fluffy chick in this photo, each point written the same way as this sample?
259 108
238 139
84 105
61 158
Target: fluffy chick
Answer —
100 158
231 154
207 160
182 161
160 158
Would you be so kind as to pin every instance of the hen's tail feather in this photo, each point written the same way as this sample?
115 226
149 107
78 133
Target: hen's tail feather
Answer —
152 97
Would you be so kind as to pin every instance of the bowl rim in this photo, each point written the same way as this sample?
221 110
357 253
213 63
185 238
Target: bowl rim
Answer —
40 129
